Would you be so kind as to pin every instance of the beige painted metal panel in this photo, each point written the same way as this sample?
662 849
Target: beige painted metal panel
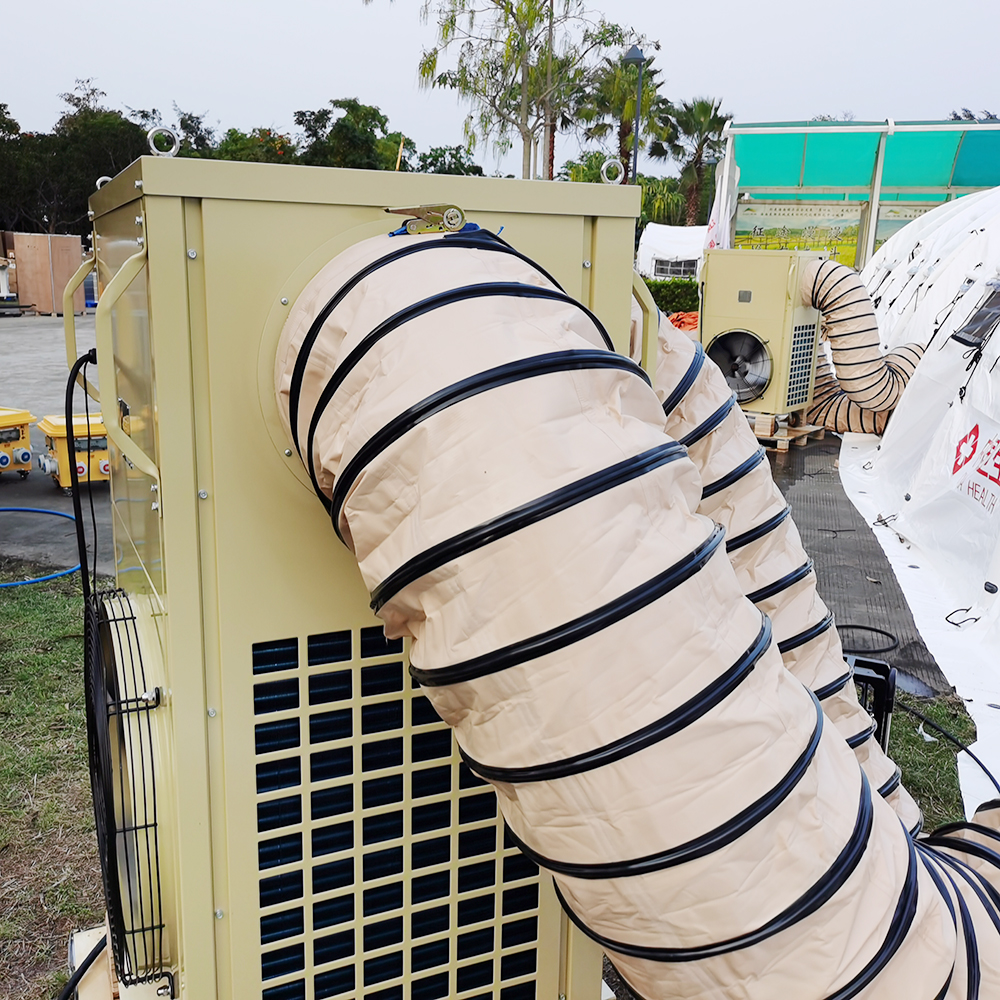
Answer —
132 495
189 178
267 630
758 291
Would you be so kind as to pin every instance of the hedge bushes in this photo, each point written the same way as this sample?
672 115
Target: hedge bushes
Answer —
679 295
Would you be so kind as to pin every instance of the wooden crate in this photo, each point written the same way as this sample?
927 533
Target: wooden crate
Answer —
44 264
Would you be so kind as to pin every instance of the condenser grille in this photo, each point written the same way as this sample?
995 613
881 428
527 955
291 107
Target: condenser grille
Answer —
383 869
801 363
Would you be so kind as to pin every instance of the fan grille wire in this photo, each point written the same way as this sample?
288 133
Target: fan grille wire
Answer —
119 703
745 363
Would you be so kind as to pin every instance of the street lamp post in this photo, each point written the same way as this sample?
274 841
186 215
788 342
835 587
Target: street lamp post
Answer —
634 57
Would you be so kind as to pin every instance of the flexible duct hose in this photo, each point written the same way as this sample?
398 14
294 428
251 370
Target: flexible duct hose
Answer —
764 546
867 378
833 408
514 505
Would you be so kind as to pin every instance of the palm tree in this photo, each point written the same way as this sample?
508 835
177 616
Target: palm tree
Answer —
692 135
608 106
662 201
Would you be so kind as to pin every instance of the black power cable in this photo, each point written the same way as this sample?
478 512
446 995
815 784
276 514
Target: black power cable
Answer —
873 651
81 970
90 358
951 738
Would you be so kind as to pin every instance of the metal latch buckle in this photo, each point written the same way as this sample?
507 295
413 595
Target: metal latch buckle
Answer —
431 218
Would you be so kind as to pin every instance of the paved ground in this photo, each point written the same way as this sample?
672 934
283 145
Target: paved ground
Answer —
33 375
854 577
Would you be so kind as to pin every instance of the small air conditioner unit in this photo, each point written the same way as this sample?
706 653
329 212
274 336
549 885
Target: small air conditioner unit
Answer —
281 814
754 326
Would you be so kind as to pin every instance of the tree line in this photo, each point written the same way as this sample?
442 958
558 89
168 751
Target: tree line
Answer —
529 70
47 178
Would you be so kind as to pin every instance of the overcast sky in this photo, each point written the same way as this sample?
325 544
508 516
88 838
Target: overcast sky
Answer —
255 62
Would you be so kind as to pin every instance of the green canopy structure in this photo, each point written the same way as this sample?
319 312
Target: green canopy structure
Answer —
886 172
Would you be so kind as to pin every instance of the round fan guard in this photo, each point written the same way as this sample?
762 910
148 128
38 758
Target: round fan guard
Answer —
119 737
745 362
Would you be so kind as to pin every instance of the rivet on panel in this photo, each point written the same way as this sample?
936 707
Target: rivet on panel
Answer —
218 914
288 453
284 302
192 253
212 713
138 185
202 494
586 263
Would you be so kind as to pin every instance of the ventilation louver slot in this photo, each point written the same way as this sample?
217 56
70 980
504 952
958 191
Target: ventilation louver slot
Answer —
386 862
802 361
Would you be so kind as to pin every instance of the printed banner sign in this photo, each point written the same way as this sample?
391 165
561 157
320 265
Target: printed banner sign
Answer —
829 226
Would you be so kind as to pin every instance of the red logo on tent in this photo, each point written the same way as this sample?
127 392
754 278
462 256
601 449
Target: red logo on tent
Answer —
966 449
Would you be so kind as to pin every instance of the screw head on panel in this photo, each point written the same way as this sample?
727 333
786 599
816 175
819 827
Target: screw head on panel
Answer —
154 506
284 301
138 185
192 253
219 914
202 494
586 264
288 453
212 713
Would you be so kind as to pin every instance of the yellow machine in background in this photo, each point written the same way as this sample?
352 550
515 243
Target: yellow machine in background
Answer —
288 818
754 326
15 441
92 463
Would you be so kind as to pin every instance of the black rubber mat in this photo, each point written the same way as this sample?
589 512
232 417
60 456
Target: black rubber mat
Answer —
855 578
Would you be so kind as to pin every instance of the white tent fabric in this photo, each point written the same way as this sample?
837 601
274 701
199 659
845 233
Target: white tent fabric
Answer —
669 243
720 219
933 471
934 479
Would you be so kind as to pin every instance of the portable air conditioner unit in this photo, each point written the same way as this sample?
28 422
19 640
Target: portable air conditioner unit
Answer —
754 327
281 814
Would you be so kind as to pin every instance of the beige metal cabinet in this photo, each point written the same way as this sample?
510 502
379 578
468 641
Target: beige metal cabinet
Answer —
319 836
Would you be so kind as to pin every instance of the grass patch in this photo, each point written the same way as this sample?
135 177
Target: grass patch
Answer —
930 771
50 881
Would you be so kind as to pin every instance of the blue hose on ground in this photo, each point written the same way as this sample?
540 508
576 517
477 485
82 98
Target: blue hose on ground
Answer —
50 576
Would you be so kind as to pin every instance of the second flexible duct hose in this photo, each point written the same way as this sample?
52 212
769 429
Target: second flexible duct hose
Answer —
764 545
865 385
514 504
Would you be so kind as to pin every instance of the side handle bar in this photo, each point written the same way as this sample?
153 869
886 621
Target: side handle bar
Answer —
106 364
69 324
650 325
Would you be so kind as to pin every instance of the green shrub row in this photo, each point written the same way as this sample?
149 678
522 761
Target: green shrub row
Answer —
679 295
